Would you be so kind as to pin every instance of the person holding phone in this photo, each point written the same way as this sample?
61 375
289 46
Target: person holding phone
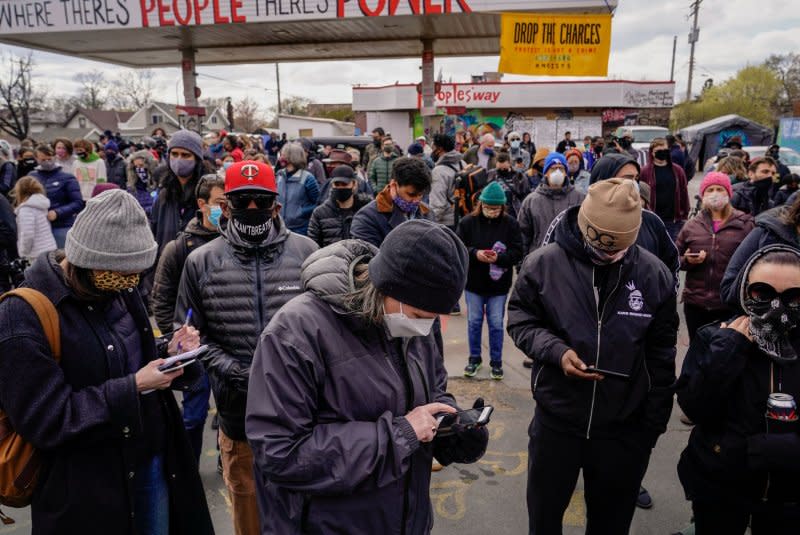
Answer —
117 456
740 384
494 242
347 384
706 244
595 298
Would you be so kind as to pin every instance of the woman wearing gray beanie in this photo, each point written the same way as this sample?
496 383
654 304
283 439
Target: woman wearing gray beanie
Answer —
346 385
118 459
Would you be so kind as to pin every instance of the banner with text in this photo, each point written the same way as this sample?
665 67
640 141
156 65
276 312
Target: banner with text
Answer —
555 44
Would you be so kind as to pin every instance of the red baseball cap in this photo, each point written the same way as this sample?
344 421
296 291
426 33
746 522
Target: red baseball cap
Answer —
250 175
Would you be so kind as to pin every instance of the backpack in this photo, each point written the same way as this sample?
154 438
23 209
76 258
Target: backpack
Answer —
467 186
19 460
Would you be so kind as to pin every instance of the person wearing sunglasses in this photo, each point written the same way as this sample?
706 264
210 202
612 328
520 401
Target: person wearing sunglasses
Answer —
233 286
740 384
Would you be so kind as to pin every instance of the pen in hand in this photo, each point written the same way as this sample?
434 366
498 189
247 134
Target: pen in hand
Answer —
186 324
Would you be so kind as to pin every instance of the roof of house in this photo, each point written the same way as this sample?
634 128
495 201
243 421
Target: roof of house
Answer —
52 133
104 119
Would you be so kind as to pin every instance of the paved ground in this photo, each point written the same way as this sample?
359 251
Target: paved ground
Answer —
489 496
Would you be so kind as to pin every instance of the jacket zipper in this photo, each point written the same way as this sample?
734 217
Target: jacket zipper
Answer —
258 293
600 314
536 379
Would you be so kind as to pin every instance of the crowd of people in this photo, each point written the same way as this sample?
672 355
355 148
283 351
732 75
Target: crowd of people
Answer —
310 280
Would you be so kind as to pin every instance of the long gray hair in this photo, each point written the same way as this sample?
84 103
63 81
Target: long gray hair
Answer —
364 299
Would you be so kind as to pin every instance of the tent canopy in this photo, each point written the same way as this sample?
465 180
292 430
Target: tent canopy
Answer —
706 138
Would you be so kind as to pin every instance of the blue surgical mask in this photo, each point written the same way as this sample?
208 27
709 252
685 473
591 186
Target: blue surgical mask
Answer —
226 165
215 212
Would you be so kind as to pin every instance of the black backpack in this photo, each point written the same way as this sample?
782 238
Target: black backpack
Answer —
467 186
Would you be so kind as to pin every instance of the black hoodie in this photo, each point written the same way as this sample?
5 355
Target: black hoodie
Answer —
629 325
731 457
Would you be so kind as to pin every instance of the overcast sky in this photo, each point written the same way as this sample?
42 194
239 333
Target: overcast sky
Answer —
733 33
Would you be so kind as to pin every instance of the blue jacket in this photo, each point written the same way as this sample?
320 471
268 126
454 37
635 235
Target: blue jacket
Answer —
64 193
298 193
377 219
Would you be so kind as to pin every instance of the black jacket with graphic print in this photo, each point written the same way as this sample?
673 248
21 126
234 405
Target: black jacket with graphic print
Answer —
554 307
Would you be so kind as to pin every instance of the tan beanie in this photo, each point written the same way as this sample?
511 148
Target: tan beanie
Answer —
611 214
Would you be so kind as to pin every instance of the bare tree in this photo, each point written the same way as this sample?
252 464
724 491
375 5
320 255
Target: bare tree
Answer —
94 88
248 115
18 95
133 89
787 68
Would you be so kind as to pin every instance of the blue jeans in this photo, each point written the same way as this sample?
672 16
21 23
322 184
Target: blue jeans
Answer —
494 308
60 235
195 412
152 498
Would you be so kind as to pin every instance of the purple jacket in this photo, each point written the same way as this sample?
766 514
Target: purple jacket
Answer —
325 414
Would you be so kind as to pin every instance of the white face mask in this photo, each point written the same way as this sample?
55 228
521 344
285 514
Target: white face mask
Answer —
515 144
401 326
716 200
556 178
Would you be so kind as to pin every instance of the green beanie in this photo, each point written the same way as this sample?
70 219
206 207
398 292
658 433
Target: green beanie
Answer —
493 194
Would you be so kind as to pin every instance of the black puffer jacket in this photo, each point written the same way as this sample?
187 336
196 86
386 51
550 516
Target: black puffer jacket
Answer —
325 413
330 224
724 388
554 307
170 266
234 288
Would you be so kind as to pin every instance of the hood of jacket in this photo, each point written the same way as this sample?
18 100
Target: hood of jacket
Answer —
196 228
37 201
609 165
451 158
774 222
741 278
150 163
328 272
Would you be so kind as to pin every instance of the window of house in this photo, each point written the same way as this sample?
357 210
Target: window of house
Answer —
156 119
82 122
306 132
213 119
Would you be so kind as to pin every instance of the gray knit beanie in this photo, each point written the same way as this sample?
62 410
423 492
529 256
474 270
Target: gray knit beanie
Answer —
186 139
111 233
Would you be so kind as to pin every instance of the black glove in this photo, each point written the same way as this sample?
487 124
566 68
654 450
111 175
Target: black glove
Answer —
465 446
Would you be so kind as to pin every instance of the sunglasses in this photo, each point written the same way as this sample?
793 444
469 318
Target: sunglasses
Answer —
241 201
762 294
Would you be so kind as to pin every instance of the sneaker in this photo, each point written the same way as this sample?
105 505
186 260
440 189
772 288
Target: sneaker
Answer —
644 500
456 310
436 466
496 373
471 369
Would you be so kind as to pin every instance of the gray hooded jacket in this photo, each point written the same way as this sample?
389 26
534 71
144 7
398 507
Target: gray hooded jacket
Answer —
233 289
540 208
325 413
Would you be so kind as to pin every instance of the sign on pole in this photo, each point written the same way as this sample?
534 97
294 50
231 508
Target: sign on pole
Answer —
555 44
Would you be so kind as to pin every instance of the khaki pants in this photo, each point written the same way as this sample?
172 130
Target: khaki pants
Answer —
237 471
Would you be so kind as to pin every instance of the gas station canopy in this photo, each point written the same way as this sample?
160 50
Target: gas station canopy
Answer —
152 33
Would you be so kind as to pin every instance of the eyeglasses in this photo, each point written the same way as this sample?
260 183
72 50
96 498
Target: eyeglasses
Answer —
241 201
762 293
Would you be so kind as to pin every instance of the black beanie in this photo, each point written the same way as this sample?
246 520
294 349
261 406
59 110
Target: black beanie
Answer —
608 166
422 264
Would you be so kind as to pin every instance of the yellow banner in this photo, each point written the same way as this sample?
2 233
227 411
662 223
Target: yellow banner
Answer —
555 44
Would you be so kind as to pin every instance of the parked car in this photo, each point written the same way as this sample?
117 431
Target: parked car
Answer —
789 157
642 134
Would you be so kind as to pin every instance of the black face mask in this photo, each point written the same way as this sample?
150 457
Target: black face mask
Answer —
504 172
252 225
763 186
341 194
599 149
625 143
661 154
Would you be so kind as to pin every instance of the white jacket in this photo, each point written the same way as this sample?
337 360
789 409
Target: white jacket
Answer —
34 234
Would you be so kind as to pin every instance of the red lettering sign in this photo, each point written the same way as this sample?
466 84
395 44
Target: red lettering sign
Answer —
183 21
162 11
199 6
218 18
365 9
147 7
235 16
431 9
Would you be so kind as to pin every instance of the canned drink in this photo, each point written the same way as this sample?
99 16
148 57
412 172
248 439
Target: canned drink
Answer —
781 407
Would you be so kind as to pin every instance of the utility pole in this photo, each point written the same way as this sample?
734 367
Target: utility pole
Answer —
693 37
278 82
672 69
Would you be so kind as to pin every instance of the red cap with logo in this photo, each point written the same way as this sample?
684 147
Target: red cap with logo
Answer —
252 176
